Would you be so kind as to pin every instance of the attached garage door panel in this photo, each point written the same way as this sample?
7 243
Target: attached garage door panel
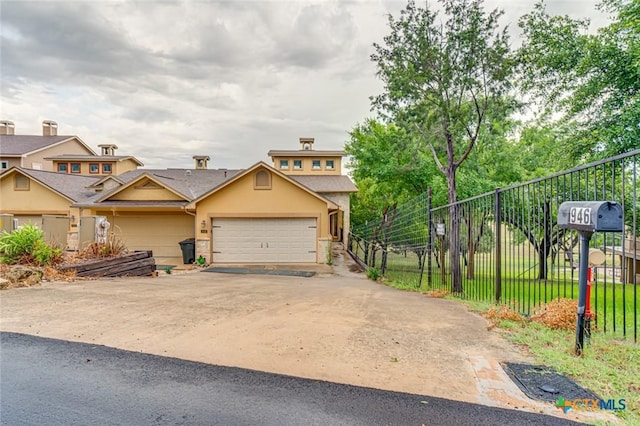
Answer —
264 240
160 233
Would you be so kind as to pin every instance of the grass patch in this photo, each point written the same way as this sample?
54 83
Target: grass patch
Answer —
608 367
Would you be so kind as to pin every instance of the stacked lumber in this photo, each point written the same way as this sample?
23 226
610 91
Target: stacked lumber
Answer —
139 263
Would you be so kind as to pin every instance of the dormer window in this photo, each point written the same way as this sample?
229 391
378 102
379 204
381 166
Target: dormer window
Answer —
284 164
315 165
297 164
330 165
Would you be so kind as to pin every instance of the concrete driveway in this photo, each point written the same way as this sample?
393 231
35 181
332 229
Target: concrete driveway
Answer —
338 326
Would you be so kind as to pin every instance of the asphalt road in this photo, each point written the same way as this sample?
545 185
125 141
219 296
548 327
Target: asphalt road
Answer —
56 382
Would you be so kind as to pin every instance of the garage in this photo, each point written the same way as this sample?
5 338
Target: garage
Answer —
264 240
158 232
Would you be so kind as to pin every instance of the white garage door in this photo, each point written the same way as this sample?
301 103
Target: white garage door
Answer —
158 232
264 240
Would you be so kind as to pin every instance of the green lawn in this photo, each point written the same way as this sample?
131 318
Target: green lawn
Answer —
616 306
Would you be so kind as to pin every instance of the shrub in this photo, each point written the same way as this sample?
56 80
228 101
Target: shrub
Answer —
373 274
26 245
112 247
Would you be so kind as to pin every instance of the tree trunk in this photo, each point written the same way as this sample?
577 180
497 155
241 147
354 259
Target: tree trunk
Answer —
542 264
545 243
454 232
471 245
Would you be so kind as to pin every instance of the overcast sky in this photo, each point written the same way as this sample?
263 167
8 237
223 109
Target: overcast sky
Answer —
168 80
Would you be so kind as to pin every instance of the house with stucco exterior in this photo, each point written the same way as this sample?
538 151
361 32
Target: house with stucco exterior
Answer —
289 211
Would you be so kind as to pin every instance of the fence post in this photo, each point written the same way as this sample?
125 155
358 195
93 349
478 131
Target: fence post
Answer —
429 243
497 213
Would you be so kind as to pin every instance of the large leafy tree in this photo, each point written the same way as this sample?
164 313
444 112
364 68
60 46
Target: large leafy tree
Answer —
386 169
590 81
447 80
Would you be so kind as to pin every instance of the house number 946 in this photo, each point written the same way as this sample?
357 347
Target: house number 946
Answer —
580 215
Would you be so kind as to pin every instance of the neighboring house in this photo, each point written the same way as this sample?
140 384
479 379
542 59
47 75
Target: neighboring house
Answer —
106 163
31 151
65 154
261 214
322 171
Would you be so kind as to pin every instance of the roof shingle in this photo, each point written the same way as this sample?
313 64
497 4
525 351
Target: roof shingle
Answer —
23 144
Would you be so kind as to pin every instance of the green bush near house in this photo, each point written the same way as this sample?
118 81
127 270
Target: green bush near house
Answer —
26 245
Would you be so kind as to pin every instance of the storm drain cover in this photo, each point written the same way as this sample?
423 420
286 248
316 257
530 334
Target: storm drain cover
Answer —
260 271
544 383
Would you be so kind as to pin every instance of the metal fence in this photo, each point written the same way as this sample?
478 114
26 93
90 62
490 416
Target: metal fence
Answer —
511 249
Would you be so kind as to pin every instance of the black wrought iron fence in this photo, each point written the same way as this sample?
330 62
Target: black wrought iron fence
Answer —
511 249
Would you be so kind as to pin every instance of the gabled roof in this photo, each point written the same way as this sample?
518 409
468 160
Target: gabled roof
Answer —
139 178
102 180
71 186
186 183
262 164
117 158
326 183
305 153
19 145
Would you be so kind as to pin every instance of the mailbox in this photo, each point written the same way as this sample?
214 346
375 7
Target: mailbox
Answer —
587 217
591 216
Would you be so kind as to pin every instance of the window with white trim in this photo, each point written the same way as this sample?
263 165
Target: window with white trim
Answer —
297 164
284 164
330 165
4 165
315 165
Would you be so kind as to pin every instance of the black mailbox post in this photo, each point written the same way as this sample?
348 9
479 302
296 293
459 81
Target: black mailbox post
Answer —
587 217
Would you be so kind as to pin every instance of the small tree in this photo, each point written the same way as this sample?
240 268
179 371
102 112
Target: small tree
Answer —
446 81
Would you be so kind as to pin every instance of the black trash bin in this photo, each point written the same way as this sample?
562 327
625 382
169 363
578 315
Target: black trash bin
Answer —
188 248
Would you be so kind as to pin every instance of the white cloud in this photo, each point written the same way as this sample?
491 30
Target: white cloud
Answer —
168 80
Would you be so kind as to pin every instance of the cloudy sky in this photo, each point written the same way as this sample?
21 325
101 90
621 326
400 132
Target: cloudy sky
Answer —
166 80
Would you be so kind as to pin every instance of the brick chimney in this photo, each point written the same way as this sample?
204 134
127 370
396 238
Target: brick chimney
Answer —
49 128
201 161
7 127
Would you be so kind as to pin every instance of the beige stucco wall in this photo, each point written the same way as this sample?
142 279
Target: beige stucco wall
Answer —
307 163
37 200
124 166
241 199
343 200
70 147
